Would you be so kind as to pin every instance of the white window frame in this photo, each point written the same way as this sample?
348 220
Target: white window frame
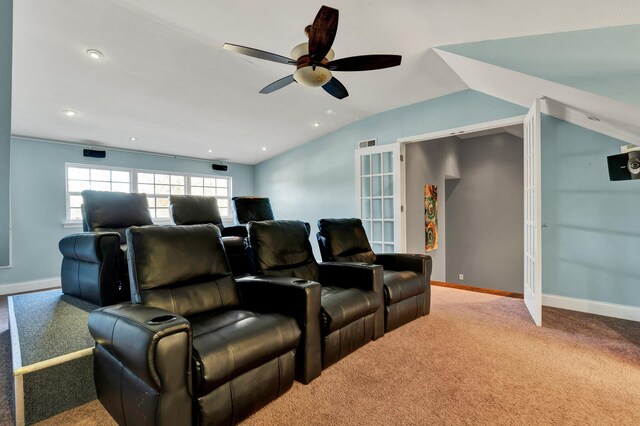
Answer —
133 187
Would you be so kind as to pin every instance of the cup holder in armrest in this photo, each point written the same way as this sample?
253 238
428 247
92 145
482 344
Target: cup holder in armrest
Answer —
162 319
301 281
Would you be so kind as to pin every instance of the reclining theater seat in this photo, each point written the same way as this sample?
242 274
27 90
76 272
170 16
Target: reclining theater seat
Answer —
251 209
94 264
189 350
351 303
199 210
407 277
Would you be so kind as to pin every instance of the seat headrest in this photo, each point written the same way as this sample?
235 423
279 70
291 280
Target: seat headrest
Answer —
247 209
162 256
115 210
194 210
344 237
280 243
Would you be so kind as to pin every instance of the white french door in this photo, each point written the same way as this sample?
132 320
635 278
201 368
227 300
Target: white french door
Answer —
378 196
533 214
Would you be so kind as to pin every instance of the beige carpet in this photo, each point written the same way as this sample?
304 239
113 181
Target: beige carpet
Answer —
477 359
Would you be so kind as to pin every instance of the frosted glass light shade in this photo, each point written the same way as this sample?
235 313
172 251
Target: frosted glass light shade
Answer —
303 49
307 76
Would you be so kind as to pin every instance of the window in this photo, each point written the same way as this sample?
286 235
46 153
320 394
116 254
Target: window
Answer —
80 178
156 184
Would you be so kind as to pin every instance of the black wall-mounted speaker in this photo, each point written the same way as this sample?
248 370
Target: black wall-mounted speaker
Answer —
94 153
222 167
624 166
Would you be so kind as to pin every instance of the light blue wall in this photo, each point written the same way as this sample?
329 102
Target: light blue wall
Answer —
591 247
317 179
603 61
38 198
6 36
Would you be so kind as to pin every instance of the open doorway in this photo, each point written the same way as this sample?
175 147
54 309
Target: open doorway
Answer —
479 175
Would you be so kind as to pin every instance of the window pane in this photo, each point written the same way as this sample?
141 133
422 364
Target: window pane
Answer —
162 213
377 208
221 192
118 176
377 230
120 187
375 164
77 173
388 232
389 248
152 202
163 189
177 180
75 201
78 185
388 185
209 182
366 208
145 177
153 213
221 183
100 186
210 191
196 181
366 186
224 211
388 208
163 179
387 162
223 202
98 174
196 190
75 214
365 165
162 202
178 190
376 186
367 228
146 189
377 248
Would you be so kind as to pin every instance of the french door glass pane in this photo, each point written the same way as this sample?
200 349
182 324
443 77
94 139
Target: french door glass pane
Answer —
388 208
387 160
377 247
366 186
376 164
388 248
365 165
376 186
377 208
388 185
366 208
367 228
377 230
388 231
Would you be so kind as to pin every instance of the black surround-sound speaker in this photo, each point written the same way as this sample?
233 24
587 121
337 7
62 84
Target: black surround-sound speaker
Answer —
222 167
94 153
624 166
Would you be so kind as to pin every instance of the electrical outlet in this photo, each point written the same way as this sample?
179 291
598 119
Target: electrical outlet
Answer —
461 277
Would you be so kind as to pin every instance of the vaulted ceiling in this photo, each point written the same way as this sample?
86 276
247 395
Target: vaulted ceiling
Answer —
165 79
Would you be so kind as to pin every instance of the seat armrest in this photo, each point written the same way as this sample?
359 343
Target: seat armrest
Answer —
364 276
299 299
420 263
89 246
128 332
235 231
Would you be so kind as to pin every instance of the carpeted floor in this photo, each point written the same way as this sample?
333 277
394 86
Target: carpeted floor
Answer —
477 359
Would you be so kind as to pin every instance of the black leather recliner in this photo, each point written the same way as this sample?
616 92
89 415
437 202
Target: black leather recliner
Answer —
94 262
407 277
194 347
251 209
199 210
352 300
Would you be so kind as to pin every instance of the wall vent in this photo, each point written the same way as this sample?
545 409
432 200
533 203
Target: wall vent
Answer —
367 144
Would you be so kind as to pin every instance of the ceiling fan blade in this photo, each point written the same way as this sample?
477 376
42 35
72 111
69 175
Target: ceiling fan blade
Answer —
260 54
278 84
365 63
323 32
335 88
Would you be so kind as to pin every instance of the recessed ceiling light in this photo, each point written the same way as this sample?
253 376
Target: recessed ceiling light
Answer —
264 148
133 139
593 118
316 124
330 112
69 113
210 151
94 54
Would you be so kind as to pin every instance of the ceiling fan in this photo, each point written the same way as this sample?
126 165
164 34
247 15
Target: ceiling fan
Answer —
314 60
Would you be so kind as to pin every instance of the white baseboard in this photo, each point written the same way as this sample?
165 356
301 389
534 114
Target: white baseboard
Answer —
592 307
25 286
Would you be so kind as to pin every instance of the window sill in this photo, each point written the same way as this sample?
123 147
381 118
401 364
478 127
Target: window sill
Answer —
68 224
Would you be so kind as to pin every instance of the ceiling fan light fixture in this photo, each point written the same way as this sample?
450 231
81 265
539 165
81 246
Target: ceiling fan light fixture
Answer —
303 49
310 77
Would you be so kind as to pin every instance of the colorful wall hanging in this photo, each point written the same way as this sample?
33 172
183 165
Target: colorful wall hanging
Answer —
431 217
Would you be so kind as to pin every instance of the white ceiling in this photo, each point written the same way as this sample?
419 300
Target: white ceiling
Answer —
166 80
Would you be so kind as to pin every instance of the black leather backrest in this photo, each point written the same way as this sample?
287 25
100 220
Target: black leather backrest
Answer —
344 240
194 210
114 211
247 209
282 248
183 269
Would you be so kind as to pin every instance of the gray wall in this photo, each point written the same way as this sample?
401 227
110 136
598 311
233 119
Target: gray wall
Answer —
38 198
484 215
429 162
6 36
